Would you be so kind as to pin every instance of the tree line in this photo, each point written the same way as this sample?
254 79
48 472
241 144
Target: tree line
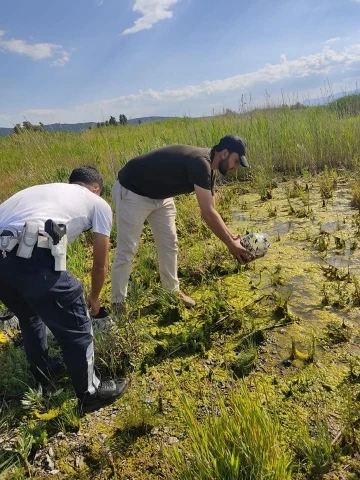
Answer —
112 121
28 126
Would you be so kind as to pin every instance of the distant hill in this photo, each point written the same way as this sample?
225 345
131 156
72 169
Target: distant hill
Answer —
5 131
349 105
310 102
79 127
135 121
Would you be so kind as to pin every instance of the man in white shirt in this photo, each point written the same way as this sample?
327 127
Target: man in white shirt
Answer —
40 296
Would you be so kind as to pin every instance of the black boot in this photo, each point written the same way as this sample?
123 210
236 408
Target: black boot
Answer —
107 393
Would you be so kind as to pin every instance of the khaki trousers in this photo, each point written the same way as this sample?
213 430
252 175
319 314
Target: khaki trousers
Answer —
131 212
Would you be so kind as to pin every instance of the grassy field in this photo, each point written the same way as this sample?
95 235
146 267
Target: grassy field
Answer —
261 380
279 140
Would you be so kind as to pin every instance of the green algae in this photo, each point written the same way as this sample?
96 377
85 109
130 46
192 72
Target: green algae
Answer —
245 324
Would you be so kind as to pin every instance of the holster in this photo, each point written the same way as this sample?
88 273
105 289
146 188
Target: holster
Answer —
8 243
59 253
9 238
28 240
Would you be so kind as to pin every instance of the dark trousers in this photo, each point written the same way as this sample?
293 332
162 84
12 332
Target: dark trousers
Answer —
41 297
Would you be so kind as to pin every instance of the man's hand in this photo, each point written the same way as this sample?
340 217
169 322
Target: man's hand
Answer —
240 253
235 236
94 305
217 225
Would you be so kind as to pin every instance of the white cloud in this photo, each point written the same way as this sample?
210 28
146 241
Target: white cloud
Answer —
319 63
64 57
36 51
151 11
333 40
326 64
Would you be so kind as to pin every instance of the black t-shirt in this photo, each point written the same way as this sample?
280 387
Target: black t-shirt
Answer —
168 171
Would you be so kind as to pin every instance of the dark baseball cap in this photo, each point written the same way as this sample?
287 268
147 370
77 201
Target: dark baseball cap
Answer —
234 144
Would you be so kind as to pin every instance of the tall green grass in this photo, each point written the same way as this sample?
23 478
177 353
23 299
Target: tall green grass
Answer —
280 139
239 438
241 441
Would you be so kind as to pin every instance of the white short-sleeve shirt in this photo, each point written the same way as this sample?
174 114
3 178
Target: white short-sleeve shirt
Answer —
70 204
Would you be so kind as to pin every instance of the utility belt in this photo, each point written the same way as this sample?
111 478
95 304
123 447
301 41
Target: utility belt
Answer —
52 237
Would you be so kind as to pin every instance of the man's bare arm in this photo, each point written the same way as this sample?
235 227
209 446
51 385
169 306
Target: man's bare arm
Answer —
217 225
99 270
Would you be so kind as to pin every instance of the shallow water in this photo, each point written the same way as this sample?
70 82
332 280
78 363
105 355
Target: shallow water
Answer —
295 248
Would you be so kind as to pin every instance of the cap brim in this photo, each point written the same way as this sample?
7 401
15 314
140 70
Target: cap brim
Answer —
243 161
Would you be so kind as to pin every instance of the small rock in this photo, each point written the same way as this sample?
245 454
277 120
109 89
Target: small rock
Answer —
149 400
128 407
37 457
51 452
79 461
173 440
54 472
103 436
49 464
154 431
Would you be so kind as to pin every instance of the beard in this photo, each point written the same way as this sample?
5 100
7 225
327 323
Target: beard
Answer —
224 165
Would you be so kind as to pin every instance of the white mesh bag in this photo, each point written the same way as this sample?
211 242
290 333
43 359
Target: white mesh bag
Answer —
256 243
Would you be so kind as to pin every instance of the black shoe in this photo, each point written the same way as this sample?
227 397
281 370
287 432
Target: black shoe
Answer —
106 394
6 315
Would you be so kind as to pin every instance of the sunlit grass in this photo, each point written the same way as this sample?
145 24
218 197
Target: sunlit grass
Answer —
241 441
239 438
278 139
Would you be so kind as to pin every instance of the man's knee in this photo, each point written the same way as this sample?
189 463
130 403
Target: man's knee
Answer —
172 244
125 253
167 241
63 309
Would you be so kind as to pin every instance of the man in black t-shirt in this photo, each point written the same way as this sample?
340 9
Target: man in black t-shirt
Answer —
145 189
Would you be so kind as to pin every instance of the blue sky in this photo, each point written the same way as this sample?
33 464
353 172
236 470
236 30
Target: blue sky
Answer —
84 60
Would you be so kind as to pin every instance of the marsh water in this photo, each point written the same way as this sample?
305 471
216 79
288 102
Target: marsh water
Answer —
313 259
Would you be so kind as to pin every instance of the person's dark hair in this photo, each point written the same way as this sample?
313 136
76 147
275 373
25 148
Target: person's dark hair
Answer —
87 175
216 149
